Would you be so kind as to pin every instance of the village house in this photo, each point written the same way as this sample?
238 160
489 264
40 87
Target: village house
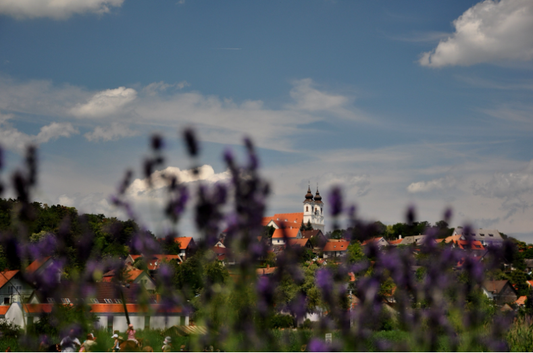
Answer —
379 241
500 291
335 248
109 316
187 246
279 236
487 237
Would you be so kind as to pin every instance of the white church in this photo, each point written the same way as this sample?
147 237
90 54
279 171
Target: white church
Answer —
290 223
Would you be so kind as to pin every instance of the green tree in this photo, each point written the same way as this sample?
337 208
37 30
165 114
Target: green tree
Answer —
355 253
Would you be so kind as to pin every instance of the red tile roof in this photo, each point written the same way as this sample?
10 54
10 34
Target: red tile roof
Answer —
395 242
132 308
4 309
37 308
184 242
521 300
35 265
465 244
341 245
133 273
372 240
285 220
290 233
311 233
265 271
6 276
297 242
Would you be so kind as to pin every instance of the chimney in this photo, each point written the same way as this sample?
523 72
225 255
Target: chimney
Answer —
400 236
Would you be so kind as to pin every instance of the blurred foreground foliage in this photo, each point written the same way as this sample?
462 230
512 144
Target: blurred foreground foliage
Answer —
396 299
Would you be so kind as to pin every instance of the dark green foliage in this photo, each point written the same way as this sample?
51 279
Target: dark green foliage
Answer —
281 321
355 253
108 236
336 234
306 255
62 317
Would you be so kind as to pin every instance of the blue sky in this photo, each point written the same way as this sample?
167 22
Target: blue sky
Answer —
412 102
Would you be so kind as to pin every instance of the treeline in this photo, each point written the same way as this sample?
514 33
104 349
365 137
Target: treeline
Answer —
78 236
392 232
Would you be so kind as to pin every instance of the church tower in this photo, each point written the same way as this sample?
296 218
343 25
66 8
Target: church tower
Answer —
314 210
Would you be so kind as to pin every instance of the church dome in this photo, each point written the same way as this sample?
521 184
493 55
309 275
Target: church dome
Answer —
318 198
309 195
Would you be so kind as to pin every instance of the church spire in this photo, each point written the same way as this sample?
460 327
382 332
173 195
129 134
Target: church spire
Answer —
309 195
318 198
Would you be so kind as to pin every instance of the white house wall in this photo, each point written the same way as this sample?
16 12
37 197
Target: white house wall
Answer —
14 314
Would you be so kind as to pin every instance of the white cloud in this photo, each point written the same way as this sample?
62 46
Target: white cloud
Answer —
308 98
54 131
507 185
110 133
105 103
56 9
490 31
156 87
436 184
206 173
16 140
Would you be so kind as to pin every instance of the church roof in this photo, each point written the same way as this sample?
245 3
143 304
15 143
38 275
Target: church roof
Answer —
318 198
285 220
309 195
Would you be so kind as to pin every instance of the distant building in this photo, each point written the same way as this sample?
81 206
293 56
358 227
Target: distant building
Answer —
313 213
487 237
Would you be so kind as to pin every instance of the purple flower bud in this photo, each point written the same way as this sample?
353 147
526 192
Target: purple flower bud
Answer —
335 201
317 345
157 142
191 142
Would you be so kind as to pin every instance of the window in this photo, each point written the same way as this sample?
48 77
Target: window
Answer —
491 235
146 322
110 323
6 300
94 301
481 234
50 300
108 301
65 300
306 208
118 301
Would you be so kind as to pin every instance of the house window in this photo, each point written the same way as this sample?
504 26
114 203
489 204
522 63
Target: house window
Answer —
481 234
65 300
491 235
108 301
110 324
146 322
50 300
118 301
6 300
94 301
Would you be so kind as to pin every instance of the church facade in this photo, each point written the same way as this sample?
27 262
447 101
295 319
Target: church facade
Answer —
313 210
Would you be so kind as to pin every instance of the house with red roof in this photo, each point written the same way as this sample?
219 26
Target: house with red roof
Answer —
187 246
153 262
379 241
280 235
13 287
335 248
133 275
315 236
